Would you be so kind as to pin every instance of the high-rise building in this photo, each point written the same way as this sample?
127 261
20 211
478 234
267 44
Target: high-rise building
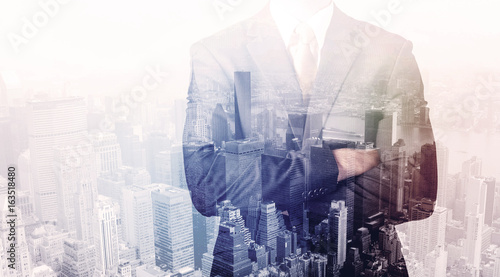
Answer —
268 228
393 175
156 142
106 237
490 200
242 105
425 235
337 230
283 245
389 243
220 126
162 168
79 259
52 123
231 252
177 167
243 159
289 179
173 227
77 190
137 221
229 213
442 155
108 152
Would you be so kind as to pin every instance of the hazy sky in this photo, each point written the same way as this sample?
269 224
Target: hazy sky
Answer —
100 42
103 47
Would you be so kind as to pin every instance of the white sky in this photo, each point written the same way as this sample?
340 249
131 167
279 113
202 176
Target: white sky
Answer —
103 41
102 47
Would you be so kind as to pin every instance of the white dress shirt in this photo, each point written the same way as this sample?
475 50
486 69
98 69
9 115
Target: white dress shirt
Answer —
286 22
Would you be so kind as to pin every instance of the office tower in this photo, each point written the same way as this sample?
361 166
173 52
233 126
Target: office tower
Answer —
242 105
220 126
353 264
257 254
243 163
436 262
24 169
302 127
52 123
475 198
473 240
389 243
162 172
200 240
46 245
408 106
253 217
425 235
266 120
363 239
372 118
77 190
179 118
442 155
137 221
231 252
428 171
229 213
79 259
155 143
196 128
111 185
268 228
136 176
283 245
291 188
173 228
131 145
490 200
337 230
106 237
177 167
107 151
392 192
470 168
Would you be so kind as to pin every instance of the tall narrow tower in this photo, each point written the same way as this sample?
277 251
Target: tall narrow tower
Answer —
242 105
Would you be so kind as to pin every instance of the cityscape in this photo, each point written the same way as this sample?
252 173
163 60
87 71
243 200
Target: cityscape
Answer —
98 201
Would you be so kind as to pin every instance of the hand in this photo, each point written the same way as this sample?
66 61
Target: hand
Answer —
353 162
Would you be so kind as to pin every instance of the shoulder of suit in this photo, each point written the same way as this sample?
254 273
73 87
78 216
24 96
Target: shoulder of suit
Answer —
229 38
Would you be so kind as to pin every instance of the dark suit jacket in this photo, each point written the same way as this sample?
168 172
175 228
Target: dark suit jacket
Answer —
362 68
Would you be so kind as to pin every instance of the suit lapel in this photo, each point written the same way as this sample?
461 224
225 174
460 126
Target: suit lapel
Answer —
267 49
337 58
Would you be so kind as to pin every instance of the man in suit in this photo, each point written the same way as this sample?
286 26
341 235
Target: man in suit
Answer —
319 114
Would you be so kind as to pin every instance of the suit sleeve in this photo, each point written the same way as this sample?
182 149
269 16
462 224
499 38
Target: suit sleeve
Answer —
203 164
406 178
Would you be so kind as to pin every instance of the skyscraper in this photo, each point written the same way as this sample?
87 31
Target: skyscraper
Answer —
231 256
79 258
108 152
77 190
137 221
173 227
60 122
242 105
337 230
220 127
106 237
268 228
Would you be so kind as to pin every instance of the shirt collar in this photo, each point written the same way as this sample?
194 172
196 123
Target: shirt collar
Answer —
286 22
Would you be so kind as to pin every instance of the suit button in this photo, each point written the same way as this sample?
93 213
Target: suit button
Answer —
310 194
